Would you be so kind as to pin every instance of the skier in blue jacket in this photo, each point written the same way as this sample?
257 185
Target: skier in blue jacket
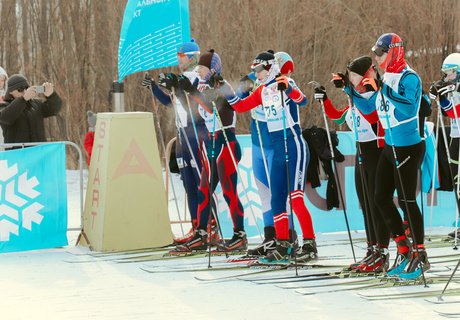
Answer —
397 101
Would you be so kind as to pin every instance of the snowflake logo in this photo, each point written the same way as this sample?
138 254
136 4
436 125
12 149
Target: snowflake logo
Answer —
17 207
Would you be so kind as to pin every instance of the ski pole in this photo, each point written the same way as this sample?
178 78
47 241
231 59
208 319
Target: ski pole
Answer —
365 189
397 165
214 207
227 142
457 195
435 160
211 181
449 159
264 158
448 281
167 164
288 178
336 172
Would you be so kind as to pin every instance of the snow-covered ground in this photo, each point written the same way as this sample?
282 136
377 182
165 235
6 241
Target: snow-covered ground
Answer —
44 285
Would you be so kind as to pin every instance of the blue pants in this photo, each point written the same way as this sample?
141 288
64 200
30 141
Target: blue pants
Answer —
189 169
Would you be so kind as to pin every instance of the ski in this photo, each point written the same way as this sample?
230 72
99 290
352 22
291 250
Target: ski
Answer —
249 265
448 314
377 283
443 300
417 294
265 268
342 274
122 252
350 281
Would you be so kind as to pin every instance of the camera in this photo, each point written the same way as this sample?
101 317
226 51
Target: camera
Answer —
39 89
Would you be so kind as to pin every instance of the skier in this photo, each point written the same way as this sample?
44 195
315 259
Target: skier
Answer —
223 153
88 140
3 81
187 121
280 98
397 102
370 136
262 153
441 90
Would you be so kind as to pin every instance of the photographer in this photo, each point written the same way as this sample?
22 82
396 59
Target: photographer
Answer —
22 113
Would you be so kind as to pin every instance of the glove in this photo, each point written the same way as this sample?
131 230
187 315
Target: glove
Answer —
91 117
283 83
148 82
434 90
444 89
168 80
246 84
340 80
216 81
374 83
226 90
185 84
320 93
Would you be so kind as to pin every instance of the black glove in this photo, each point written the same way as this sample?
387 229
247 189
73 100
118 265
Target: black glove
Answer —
340 80
185 84
148 82
216 81
320 93
444 89
434 90
168 80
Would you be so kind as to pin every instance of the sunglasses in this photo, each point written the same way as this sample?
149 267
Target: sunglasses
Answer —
258 68
379 51
449 71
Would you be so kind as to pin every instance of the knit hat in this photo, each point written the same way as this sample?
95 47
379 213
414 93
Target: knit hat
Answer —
360 65
189 48
266 58
211 60
16 81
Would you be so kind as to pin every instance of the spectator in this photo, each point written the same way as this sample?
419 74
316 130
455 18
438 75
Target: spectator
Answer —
3 79
88 141
22 113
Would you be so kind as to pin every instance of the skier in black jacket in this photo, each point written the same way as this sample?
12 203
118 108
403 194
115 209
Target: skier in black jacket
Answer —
22 114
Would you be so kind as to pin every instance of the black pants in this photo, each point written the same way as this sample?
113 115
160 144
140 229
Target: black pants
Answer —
387 181
376 229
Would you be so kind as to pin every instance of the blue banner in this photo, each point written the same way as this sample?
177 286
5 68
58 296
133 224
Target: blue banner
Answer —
151 33
442 213
33 198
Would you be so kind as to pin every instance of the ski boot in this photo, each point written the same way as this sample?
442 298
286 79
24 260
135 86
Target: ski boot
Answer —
294 240
269 243
369 256
186 237
308 252
238 242
281 255
378 263
198 242
418 263
402 257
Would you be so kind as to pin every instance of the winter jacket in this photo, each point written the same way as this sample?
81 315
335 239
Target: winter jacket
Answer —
318 145
23 121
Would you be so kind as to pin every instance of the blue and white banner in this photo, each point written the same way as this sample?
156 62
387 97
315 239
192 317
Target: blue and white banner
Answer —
151 33
443 213
33 198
